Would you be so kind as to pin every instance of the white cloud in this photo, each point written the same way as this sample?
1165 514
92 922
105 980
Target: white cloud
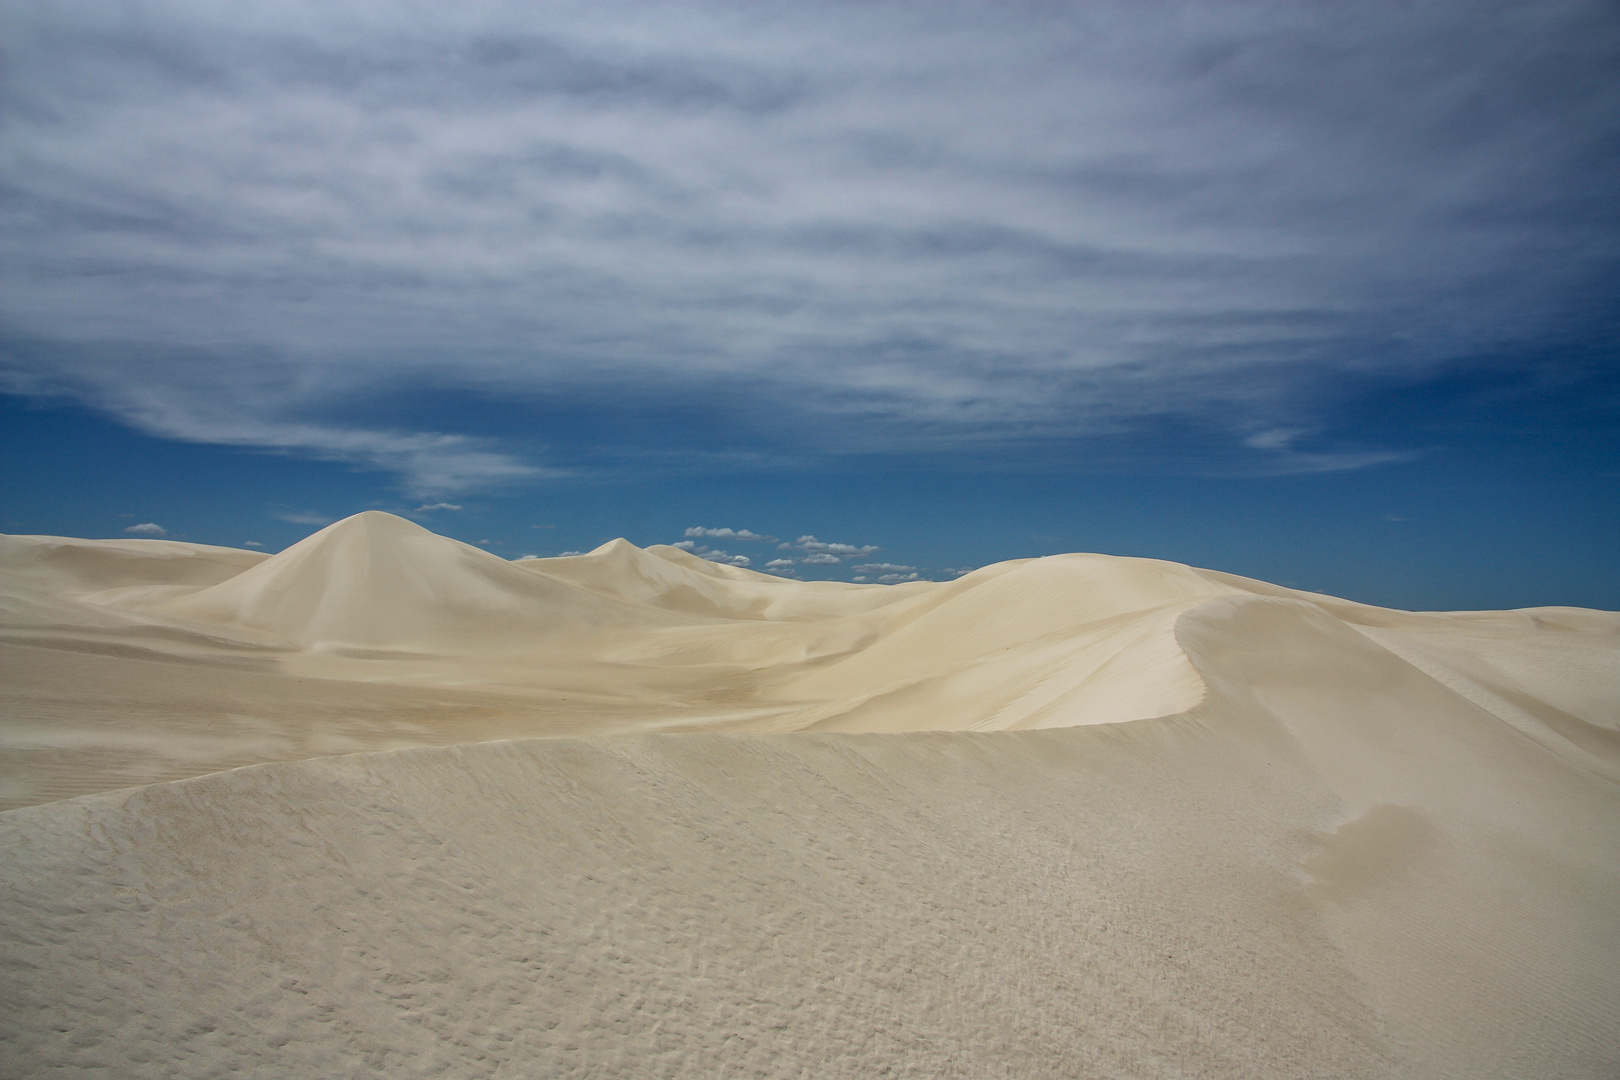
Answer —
715 555
807 550
811 545
569 554
251 543
727 534
428 462
972 227
895 579
426 507
222 406
148 529
883 568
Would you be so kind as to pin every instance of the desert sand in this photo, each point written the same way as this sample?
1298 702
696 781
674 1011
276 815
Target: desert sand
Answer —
409 809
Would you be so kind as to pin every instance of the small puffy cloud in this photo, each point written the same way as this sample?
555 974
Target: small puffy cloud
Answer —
150 528
251 543
810 545
715 555
569 554
426 507
883 568
821 558
895 579
727 534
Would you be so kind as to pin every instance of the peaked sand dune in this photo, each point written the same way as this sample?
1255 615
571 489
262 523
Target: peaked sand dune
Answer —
378 581
1268 833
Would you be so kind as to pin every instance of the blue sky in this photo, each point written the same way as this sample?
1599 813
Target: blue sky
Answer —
1325 294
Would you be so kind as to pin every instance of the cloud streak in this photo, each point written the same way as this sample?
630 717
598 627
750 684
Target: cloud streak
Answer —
908 227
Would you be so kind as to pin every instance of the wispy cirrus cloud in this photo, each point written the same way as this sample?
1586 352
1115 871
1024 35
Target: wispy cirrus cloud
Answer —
939 228
254 403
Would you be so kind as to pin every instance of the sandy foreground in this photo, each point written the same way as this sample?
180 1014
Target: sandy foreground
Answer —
635 814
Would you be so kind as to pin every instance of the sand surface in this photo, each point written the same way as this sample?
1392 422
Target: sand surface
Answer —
1075 816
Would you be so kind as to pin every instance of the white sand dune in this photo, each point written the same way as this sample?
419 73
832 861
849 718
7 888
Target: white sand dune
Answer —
1263 832
376 581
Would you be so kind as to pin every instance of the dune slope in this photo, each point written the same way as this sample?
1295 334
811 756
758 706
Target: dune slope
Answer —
1241 892
1012 905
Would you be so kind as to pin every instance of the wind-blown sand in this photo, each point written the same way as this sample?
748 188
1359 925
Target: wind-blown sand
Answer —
1074 816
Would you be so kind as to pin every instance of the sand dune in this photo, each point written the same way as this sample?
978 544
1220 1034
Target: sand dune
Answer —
1266 833
57 580
80 567
378 581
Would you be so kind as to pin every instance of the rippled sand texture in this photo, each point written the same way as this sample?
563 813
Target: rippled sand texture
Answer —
1075 816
